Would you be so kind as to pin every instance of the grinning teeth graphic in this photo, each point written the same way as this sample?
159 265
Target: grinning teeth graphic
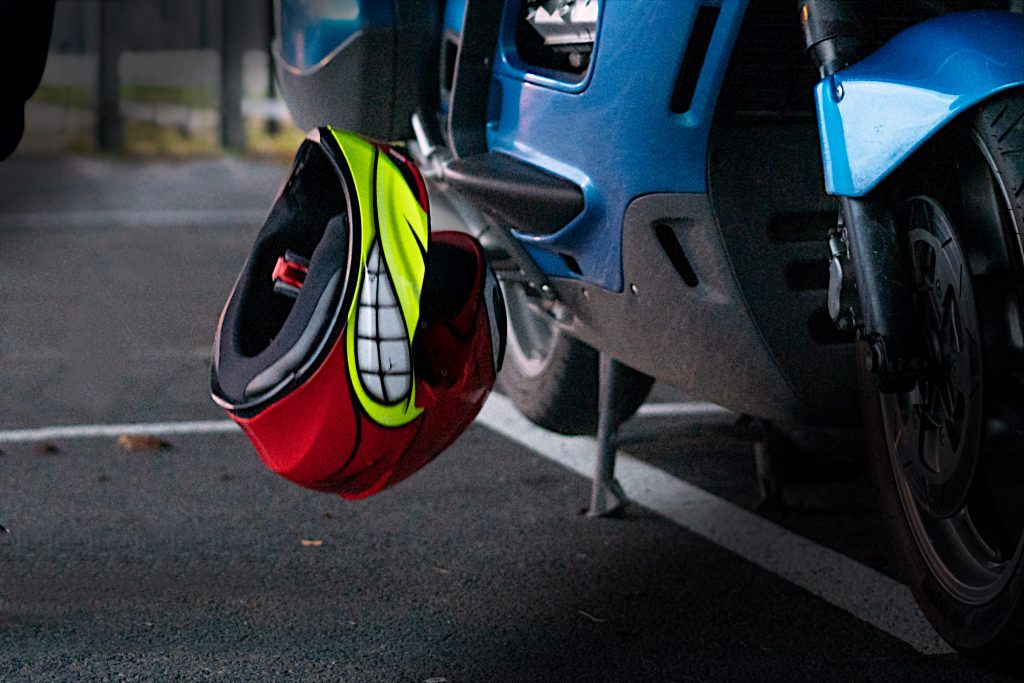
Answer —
382 345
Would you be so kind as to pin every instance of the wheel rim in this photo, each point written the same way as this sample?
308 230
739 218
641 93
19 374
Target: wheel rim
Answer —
532 333
955 439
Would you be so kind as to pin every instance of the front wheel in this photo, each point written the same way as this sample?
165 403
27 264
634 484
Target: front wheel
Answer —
948 455
552 377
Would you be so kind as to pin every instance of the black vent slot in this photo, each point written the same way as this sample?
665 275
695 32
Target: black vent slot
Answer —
449 55
571 263
693 60
674 250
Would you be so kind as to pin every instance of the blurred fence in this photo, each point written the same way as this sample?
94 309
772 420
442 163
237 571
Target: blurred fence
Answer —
159 76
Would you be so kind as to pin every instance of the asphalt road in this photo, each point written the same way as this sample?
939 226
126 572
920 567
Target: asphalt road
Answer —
188 563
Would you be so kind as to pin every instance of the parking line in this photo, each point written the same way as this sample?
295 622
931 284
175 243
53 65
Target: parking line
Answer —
695 409
92 219
845 583
137 429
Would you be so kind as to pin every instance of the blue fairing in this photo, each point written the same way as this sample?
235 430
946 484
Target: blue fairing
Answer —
613 133
874 114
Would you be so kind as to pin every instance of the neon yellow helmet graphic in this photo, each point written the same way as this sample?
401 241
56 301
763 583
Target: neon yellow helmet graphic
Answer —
395 230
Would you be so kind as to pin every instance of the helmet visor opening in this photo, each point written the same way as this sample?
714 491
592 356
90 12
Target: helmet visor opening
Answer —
297 224
269 337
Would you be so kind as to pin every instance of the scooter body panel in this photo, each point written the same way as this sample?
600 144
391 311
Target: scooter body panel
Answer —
613 132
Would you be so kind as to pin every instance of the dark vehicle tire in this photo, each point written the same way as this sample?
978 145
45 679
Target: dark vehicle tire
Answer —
552 377
948 456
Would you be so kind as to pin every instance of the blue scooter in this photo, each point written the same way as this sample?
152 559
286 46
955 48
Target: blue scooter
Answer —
807 212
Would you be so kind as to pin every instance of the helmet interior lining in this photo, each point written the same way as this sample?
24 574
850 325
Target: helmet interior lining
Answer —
263 333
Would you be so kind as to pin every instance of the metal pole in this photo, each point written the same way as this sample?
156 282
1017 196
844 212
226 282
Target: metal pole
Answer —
232 121
273 125
109 128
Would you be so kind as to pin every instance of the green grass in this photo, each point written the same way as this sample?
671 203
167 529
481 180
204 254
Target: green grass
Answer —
71 96
149 140
146 140
281 145
189 96
81 97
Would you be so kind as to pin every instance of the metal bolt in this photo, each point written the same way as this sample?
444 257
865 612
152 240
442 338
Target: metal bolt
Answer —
837 90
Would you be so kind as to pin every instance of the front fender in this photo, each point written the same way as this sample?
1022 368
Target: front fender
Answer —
877 112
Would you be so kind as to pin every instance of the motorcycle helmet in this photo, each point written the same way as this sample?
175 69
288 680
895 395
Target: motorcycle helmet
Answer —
356 345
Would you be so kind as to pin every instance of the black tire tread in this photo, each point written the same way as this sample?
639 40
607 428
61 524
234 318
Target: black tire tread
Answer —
1004 135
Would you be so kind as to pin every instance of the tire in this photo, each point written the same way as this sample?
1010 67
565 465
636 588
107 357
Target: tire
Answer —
947 456
552 377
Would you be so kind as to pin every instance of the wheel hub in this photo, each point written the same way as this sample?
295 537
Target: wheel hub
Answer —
938 421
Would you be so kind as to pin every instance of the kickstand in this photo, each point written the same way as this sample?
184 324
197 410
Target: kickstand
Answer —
766 459
607 497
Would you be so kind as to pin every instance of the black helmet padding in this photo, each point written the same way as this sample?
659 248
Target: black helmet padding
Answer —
265 338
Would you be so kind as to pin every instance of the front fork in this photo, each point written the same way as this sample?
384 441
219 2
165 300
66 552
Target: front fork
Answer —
866 238
885 289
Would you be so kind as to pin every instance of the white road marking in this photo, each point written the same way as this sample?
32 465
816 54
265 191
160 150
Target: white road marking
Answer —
693 409
845 583
88 219
137 429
